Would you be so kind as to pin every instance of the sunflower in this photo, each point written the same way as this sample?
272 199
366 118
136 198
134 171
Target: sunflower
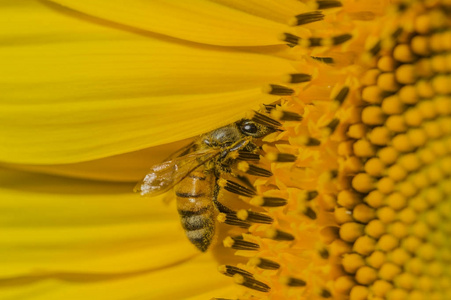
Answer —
355 202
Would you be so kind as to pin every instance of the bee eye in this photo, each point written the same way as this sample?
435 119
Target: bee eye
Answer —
249 128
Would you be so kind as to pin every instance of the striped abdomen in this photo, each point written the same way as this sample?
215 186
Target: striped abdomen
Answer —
196 208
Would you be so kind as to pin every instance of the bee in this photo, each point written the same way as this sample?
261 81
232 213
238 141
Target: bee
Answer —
194 174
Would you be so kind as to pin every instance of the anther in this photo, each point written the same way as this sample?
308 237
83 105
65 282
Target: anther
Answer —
325 4
232 219
239 244
231 271
265 120
306 18
248 156
263 263
254 217
251 283
269 107
293 282
291 38
342 94
332 125
280 90
299 77
281 157
311 195
324 253
309 141
285 115
325 294
309 212
268 201
279 235
257 171
336 40
375 49
236 188
326 60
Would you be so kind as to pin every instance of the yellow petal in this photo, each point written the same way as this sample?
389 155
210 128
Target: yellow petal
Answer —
84 226
93 240
90 95
194 280
127 167
196 20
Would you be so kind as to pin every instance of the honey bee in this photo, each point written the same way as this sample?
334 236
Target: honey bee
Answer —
196 171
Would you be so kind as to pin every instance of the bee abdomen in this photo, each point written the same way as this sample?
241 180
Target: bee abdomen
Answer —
199 227
196 209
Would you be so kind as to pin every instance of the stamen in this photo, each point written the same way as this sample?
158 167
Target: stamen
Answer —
309 212
306 18
281 157
246 181
309 141
285 115
248 156
341 96
330 128
232 219
254 217
257 171
280 90
268 201
324 253
291 39
376 49
293 282
311 195
239 244
300 77
279 235
265 120
263 263
269 107
251 283
324 4
325 294
326 60
231 271
236 188
316 42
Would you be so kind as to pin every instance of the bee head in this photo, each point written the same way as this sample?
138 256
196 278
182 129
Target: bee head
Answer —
251 128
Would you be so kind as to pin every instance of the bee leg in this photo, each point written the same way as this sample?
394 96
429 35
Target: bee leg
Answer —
221 207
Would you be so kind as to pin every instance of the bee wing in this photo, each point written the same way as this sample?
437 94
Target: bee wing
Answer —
162 177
